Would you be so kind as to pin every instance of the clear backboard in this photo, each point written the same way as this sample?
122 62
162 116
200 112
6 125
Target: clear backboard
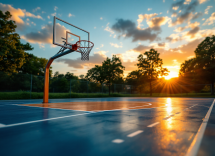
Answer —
66 34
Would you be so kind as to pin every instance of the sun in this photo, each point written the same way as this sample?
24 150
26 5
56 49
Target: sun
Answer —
171 75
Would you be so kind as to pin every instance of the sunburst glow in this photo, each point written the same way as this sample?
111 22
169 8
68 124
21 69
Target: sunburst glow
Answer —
171 75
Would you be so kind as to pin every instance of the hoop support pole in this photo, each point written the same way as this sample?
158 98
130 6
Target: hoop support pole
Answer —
46 76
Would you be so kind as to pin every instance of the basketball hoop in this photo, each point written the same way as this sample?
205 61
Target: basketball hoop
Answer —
84 47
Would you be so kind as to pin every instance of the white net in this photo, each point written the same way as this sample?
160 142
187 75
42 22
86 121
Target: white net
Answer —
85 47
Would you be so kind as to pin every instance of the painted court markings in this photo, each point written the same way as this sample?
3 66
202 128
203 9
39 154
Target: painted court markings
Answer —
2 125
154 124
118 141
29 122
134 133
194 147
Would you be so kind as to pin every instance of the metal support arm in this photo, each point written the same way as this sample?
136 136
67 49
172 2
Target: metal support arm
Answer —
46 79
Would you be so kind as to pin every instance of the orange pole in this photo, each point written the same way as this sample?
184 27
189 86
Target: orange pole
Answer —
46 81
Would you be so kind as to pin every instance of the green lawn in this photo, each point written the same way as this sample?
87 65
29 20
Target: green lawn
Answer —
35 95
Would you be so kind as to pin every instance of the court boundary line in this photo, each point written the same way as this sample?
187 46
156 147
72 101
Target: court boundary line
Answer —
195 145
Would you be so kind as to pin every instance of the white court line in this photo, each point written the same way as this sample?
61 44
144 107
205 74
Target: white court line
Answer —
152 125
29 122
49 108
134 133
118 141
2 125
194 147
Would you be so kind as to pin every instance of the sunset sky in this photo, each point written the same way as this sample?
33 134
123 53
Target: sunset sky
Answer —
125 28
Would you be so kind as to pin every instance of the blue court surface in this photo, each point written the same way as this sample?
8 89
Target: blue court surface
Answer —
170 126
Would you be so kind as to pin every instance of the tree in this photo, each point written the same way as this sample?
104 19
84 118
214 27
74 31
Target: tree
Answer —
151 66
110 70
96 74
34 65
12 55
205 58
113 69
70 76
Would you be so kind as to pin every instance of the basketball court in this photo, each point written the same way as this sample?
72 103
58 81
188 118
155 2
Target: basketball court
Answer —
103 126
108 126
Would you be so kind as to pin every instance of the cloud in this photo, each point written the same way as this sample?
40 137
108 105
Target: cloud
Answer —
107 28
143 17
200 34
187 1
32 15
196 15
161 44
174 14
186 35
96 59
149 9
187 10
210 20
101 18
180 29
17 15
152 21
37 8
174 38
48 17
175 8
156 22
129 30
202 1
207 9
193 32
55 8
116 45
54 14
45 35
141 48
70 15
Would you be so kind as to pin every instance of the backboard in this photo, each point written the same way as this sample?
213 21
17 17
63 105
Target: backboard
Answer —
66 34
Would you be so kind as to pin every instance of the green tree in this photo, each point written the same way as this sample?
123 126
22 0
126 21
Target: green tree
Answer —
70 76
34 65
150 66
12 55
200 69
111 70
205 58
96 74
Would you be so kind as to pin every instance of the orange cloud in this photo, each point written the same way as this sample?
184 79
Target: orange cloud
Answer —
210 20
18 14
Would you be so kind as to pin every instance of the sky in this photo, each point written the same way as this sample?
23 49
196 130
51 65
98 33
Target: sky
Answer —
126 28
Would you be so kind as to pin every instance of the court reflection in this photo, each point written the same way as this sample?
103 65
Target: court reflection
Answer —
101 105
170 131
45 110
169 112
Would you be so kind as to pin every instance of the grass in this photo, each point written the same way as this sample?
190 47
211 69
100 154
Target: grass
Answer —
35 95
